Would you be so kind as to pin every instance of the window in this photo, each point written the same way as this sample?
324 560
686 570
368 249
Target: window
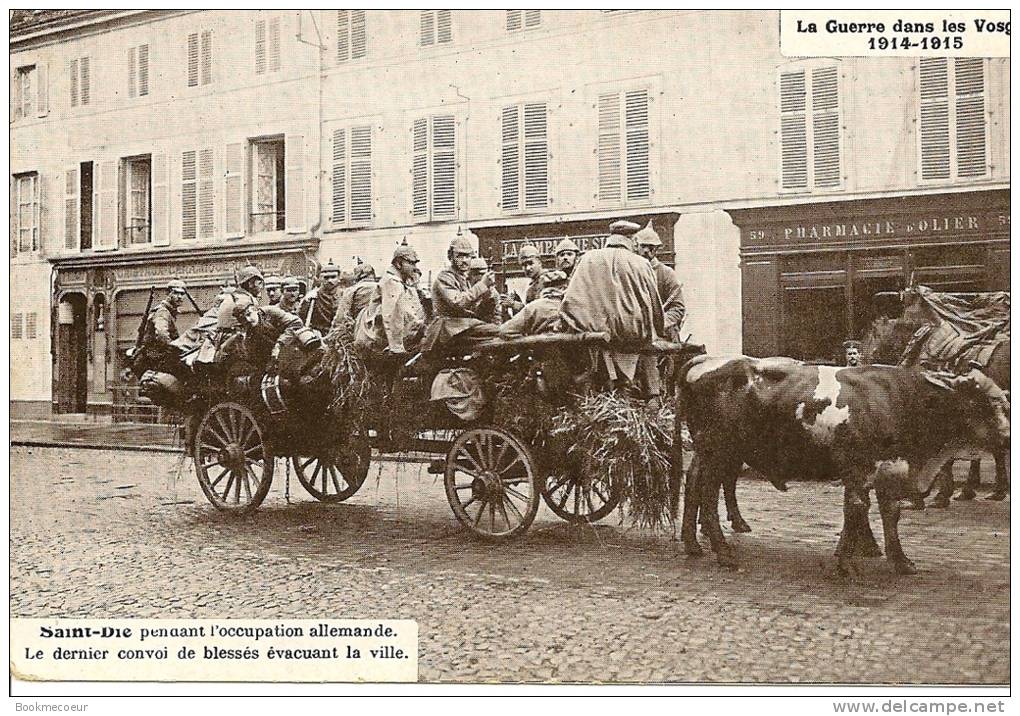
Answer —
17 326
24 92
25 214
525 157
953 125
138 71
267 45
352 176
197 194
436 27
268 190
810 129
78 198
351 39
136 200
200 58
434 168
31 328
522 19
623 147
81 92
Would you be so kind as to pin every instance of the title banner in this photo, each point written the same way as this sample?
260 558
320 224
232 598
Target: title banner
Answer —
894 33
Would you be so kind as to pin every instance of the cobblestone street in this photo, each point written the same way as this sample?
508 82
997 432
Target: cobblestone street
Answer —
109 534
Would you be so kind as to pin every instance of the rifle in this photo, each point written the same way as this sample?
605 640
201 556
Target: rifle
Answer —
143 325
198 310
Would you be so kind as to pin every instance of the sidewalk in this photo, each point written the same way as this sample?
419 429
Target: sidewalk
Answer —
112 436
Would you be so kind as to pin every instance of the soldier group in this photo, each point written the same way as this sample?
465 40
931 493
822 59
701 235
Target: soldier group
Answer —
621 289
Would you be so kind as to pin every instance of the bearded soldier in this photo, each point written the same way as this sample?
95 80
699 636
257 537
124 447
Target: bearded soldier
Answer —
319 306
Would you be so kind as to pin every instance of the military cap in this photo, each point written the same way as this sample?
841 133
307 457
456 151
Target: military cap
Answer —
624 228
363 270
553 277
405 252
461 245
851 343
329 267
176 283
566 245
620 241
528 251
291 282
247 273
478 264
648 236
273 280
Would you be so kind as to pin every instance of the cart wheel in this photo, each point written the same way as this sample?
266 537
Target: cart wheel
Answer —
330 479
576 497
233 461
491 483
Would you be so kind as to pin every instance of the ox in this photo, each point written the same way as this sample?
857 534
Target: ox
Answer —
882 427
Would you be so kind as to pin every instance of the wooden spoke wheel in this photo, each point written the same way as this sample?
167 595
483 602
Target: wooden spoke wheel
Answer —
233 461
577 497
491 483
331 478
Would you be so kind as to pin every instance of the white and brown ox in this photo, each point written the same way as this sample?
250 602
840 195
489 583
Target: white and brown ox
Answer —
884 427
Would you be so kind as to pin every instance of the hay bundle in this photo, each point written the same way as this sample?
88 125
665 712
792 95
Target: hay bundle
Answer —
348 380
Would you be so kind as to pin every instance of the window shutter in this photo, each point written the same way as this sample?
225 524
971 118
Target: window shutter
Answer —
42 213
513 20
14 216
206 195
511 158
16 326
233 192
444 167
971 139
72 207
536 157
85 89
108 182
206 57
343 41
338 213
74 83
294 202
189 195
132 72
160 209
260 47
274 44
420 169
532 18
636 117
361 174
31 325
934 96
359 34
143 70
793 129
428 31
193 60
42 89
609 146
825 126
444 26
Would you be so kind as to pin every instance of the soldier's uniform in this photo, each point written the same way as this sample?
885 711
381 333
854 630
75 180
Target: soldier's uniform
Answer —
291 300
354 299
567 246
671 293
274 290
488 306
541 315
157 349
319 306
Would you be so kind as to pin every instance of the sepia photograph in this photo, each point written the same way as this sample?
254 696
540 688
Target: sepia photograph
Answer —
511 347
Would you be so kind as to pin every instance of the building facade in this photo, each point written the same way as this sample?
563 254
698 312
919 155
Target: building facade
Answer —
152 144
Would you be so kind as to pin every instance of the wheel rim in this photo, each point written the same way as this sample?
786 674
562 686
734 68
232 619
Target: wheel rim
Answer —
234 465
490 482
577 497
330 480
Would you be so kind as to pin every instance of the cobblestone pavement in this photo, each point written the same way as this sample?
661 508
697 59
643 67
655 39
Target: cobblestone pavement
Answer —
119 534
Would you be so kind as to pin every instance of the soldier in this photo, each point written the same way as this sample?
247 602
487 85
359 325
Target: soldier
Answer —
852 353
489 307
158 349
541 315
319 306
291 299
249 287
274 289
671 293
355 298
394 321
566 256
531 264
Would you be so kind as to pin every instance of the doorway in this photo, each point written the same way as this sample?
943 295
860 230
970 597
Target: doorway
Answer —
71 387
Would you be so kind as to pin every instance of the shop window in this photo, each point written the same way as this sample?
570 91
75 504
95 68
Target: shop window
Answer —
200 58
81 82
25 214
436 27
267 45
197 194
138 71
267 203
810 134
814 323
624 175
524 158
351 177
136 200
952 119
434 168
522 19
351 37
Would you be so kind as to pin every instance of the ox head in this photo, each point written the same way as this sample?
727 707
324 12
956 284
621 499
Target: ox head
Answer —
985 406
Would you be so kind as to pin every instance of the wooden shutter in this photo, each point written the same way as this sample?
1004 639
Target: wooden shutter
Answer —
294 154
793 130
14 216
74 82
160 209
428 27
107 182
420 169
636 117
143 70
934 131
536 156
359 35
233 192
17 326
532 18
343 35
825 127
83 66
444 26
274 44
132 72
260 47
338 206
609 147
514 20
42 213
193 60
72 208
444 167
361 174
206 194
971 127
510 158
206 57
189 195
42 96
